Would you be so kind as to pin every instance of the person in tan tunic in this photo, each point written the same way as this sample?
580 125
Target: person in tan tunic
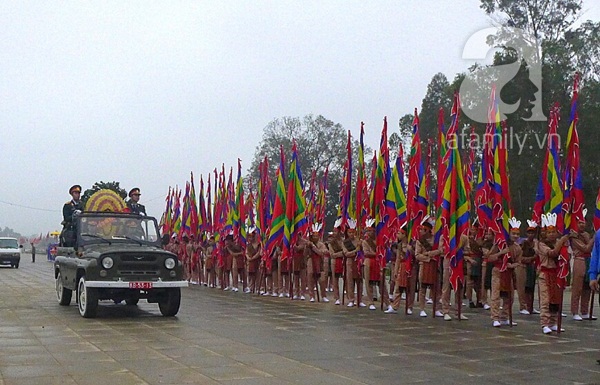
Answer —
503 263
403 281
447 286
548 249
473 260
210 261
253 253
582 244
373 268
299 260
336 254
428 263
525 271
315 251
354 272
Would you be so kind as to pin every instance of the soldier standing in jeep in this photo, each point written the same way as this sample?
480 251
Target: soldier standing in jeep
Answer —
74 206
133 203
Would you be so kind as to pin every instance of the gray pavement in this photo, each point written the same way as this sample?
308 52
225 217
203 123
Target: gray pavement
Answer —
234 338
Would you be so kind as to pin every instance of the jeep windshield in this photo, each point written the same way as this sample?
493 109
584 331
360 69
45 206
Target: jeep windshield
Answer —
8 244
110 228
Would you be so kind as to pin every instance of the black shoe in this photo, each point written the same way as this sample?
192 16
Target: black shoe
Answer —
479 305
472 305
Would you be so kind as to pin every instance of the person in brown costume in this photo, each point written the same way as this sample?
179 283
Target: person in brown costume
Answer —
549 249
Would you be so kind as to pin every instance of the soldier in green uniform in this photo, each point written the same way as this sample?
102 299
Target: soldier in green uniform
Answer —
74 206
133 203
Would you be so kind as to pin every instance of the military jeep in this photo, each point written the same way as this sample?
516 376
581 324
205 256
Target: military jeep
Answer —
117 257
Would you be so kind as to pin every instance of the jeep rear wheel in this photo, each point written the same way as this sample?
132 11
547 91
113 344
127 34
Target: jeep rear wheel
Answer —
169 304
62 294
87 299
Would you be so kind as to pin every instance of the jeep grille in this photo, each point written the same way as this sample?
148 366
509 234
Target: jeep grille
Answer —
139 265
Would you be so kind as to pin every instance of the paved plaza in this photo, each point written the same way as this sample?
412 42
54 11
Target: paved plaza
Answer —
233 338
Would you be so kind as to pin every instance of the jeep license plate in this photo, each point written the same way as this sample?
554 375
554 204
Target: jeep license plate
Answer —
140 285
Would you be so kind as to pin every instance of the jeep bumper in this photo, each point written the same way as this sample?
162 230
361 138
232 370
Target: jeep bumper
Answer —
127 284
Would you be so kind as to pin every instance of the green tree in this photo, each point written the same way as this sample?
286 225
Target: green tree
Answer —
565 50
321 144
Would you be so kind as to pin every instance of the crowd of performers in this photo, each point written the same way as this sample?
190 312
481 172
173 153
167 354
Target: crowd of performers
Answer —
345 266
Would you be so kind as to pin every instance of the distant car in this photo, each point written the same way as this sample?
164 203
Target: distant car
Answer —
117 257
10 252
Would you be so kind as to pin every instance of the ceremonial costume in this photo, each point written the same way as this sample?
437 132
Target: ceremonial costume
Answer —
315 251
550 294
428 262
352 245
253 254
447 287
503 264
473 277
210 262
582 244
337 256
374 265
238 267
299 268
405 281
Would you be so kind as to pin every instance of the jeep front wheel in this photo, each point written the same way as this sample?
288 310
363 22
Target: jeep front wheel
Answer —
132 301
62 294
169 304
88 299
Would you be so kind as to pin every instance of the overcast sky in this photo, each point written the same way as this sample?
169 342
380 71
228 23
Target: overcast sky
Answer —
143 92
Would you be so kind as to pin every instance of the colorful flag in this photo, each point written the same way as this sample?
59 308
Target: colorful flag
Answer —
346 187
395 200
295 219
416 193
382 177
362 196
279 209
455 207
573 190
239 217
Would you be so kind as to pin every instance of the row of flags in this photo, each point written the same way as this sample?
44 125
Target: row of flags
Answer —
392 196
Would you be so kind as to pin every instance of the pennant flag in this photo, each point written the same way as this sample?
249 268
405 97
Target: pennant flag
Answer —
346 187
194 220
321 199
239 213
469 177
279 206
395 200
573 201
418 205
382 177
455 208
295 220
362 195
549 197
441 172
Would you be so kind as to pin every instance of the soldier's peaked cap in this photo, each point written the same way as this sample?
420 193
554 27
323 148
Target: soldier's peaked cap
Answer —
75 188
134 190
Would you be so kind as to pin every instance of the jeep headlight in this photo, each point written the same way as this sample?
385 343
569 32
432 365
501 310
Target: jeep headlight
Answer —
16 254
169 263
107 262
